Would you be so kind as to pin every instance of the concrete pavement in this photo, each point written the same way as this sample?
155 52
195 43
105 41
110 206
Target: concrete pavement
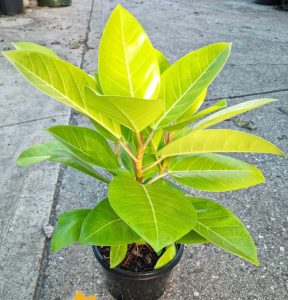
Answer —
257 68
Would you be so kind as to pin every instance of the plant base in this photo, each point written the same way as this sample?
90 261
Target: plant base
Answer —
130 286
54 3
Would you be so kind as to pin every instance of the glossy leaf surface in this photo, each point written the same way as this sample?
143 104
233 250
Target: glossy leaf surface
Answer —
166 257
222 228
103 227
194 107
163 62
60 80
160 216
117 254
219 105
192 237
214 172
127 61
67 231
230 112
184 81
133 113
57 152
87 144
34 47
219 140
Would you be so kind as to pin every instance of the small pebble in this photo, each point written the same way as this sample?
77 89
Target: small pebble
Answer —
282 249
196 294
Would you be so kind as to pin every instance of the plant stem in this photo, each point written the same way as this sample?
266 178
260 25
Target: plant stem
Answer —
117 152
149 138
126 148
139 161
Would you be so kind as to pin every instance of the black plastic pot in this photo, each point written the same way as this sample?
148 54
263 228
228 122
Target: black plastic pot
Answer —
125 285
269 2
11 7
54 3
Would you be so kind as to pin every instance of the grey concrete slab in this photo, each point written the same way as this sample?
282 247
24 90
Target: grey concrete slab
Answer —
205 272
27 194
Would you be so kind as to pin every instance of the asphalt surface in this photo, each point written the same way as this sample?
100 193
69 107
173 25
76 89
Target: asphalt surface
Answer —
257 68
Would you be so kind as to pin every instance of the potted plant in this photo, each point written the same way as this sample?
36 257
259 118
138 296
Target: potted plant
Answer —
54 3
140 106
11 7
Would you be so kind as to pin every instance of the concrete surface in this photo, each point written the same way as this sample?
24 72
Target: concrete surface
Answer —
257 68
27 195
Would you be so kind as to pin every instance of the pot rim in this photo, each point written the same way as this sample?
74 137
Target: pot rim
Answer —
140 275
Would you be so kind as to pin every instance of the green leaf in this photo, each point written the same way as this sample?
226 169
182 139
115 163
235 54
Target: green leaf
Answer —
127 161
98 85
68 228
230 112
34 47
159 215
186 79
117 254
191 238
194 107
127 62
57 152
133 113
214 172
147 160
59 80
218 140
87 144
103 227
163 62
222 228
220 104
166 257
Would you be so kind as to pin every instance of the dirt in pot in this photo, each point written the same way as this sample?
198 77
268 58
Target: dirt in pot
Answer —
139 258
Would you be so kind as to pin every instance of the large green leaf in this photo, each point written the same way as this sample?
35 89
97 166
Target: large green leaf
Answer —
163 62
87 144
34 47
159 215
219 105
222 228
192 237
57 152
68 228
186 79
218 140
194 107
117 254
214 172
60 80
133 113
127 60
103 227
166 257
230 112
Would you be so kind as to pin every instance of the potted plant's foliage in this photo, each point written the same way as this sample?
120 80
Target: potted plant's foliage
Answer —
140 106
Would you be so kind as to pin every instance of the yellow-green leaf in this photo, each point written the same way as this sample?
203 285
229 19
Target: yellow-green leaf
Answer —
159 215
219 140
192 237
214 172
127 61
163 62
230 112
133 113
166 257
222 228
220 104
186 79
34 47
103 227
117 254
87 144
60 80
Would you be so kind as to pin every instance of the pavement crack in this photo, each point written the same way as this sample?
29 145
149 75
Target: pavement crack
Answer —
247 95
32 120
